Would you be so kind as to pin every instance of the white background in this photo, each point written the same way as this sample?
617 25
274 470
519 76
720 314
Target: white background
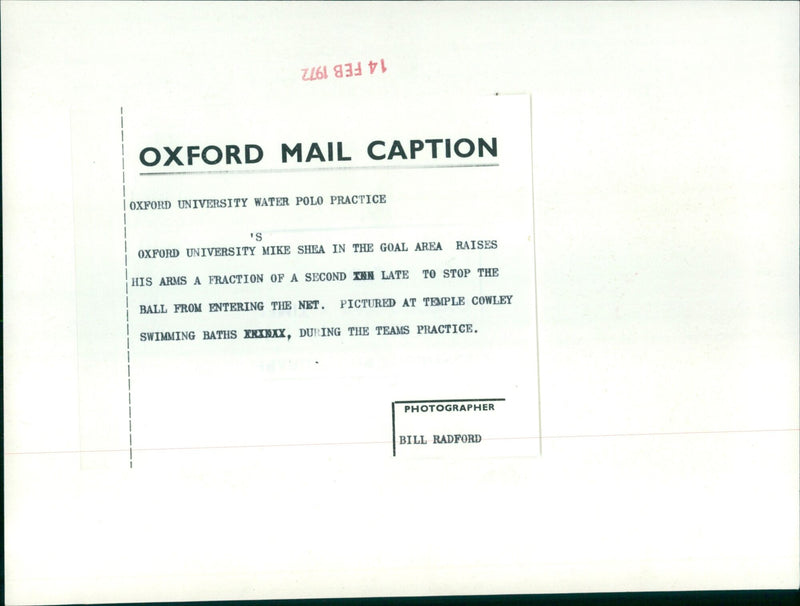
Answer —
334 391
665 183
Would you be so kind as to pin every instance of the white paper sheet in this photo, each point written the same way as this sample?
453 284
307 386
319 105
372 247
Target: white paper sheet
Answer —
636 397
306 282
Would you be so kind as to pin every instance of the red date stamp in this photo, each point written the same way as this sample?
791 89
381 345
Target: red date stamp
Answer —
352 69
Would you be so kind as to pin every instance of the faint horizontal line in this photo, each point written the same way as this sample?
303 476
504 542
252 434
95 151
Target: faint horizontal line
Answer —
45 452
655 433
605 435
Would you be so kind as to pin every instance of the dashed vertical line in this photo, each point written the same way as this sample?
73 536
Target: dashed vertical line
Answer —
127 307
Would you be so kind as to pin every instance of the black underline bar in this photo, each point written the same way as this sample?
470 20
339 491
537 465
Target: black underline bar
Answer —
312 169
440 401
